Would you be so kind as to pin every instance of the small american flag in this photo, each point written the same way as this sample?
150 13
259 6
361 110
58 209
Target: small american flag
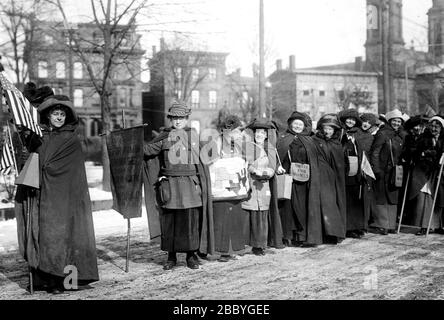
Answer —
23 113
6 160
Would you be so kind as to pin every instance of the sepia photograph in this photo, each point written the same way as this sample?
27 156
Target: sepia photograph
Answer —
222 154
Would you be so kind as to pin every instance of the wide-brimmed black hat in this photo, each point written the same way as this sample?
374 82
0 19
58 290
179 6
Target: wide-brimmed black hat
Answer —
414 121
178 109
262 123
329 119
57 101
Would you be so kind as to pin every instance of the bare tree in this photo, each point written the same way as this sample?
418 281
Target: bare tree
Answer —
354 96
18 21
114 22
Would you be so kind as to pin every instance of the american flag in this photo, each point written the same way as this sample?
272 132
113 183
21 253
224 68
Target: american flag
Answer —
23 113
6 161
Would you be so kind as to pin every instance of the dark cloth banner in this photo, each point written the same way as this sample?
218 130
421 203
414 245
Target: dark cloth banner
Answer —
125 151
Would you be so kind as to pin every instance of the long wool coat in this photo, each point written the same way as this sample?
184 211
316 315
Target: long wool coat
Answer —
61 215
332 184
382 164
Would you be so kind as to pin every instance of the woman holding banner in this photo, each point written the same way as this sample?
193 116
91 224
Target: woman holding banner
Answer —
182 189
62 238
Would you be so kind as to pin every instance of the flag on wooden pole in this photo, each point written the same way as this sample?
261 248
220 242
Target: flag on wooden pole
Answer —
23 113
366 167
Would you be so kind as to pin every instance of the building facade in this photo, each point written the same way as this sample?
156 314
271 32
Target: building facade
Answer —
54 64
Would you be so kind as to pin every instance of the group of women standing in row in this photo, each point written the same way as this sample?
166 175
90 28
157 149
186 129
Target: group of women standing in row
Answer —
348 177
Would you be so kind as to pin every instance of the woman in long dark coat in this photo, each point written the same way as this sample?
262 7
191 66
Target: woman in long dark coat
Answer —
61 217
424 159
385 155
183 190
366 136
290 222
354 179
305 194
331 164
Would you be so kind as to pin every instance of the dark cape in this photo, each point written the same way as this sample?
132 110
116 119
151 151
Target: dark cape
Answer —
332 184
61 215
152 169
306 196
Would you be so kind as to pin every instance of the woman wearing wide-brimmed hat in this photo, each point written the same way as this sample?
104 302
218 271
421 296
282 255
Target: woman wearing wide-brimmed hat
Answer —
304 208
298 123
182 189
260 153
384 156
62 224
331 164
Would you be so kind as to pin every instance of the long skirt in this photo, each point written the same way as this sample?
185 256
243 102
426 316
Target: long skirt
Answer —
419 214
258 228
288 219
356 218
180 229
385 216
231 226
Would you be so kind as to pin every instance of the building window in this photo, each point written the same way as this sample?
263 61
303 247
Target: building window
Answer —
57 90
178 94
306 92
213 99
78 98
43 69
244 97
341 95
96 127
60 70
195 74
78 70
321 92
195 99
212 73
122 97
178 73
321 110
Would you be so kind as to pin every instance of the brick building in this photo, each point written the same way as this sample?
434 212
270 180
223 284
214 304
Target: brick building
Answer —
53 64
199 79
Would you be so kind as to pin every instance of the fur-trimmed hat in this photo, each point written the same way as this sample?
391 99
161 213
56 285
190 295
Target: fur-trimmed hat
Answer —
396 113
36 95
305 118
349 113
370 118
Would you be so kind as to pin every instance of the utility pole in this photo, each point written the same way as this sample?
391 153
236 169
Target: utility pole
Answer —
261 61
386 55
406 71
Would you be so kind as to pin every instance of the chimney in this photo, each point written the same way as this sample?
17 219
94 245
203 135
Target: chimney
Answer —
358 64
278 64
154 51
292 65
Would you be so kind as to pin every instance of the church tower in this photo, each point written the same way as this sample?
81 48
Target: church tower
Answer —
436 31
380 12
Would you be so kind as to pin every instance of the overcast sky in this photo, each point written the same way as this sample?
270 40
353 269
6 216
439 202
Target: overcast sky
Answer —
317 32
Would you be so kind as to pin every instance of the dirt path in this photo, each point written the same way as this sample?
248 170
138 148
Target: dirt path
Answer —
376 267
